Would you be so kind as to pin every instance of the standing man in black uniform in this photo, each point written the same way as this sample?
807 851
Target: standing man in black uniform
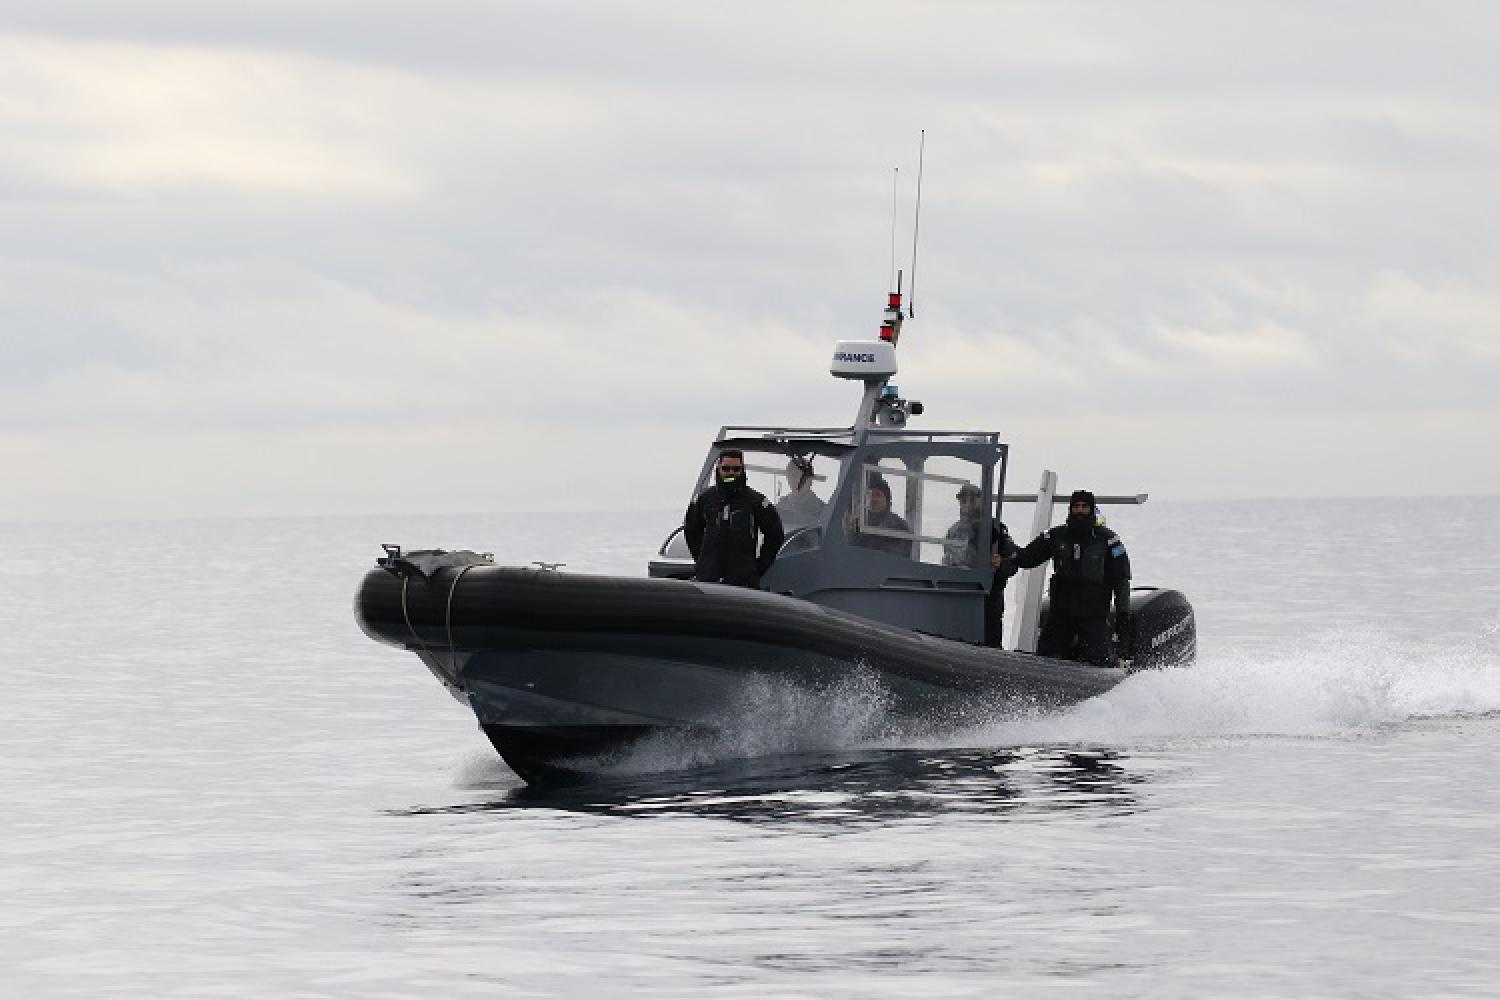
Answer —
722 523
1089 565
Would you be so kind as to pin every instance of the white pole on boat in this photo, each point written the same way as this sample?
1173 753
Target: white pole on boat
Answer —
1029 583
916 225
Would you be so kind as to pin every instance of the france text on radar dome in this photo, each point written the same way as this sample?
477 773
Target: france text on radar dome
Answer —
864 359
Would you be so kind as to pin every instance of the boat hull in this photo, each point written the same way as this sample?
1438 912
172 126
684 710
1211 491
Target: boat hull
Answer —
561 668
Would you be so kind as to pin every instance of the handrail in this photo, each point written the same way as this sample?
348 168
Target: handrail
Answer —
1118 498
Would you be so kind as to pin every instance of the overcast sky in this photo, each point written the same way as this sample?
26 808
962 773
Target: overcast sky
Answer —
325 257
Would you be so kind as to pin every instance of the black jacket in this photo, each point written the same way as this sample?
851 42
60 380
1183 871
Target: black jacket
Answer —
1086 569
721 533
1001 542
1005 546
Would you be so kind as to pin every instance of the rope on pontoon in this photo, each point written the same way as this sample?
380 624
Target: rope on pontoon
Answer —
448 620
405 579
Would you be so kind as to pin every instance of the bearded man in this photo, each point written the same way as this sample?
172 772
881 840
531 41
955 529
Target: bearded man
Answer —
723 523
1089 566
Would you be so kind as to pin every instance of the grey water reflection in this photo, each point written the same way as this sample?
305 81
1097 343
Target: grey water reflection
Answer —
869 788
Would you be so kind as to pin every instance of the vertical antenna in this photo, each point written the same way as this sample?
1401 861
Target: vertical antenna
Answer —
916 222
895 198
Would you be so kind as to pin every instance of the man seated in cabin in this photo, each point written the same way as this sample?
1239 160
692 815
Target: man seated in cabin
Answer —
722 524
961 548
878 514
801 506
1089 565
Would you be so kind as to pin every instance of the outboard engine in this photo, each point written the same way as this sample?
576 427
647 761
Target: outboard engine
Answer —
1161 633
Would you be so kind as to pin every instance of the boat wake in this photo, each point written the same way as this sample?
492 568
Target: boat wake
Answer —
770 716
1334 684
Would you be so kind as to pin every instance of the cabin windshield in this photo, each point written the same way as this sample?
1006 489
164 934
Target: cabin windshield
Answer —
928 517
823 484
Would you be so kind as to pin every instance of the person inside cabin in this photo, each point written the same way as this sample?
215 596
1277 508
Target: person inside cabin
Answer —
878 514
961 545
801 506
732 531
1089 566
961 548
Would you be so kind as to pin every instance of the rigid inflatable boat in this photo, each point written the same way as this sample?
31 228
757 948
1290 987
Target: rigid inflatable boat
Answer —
563 669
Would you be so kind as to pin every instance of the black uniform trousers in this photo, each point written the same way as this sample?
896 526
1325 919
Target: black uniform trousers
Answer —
994 611
1090 632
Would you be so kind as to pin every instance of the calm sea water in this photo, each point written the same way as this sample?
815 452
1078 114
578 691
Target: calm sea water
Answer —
214 785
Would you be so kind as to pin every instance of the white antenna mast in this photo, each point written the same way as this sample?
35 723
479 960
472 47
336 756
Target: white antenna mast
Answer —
916 223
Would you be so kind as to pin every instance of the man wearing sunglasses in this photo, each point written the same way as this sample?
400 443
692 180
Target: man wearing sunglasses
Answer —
724 523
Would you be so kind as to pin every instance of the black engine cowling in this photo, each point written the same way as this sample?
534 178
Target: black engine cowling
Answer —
1161 631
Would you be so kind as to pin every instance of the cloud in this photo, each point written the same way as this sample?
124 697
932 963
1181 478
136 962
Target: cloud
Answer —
231 348
1269 346
1423 321
131 120
478 231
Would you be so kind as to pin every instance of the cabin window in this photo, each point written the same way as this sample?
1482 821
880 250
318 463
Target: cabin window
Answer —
801 490
876 520
953 528
929 518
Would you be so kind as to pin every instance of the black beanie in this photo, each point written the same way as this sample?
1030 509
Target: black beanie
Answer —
1084 496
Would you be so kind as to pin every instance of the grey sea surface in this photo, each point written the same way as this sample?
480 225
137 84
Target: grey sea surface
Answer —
215 785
